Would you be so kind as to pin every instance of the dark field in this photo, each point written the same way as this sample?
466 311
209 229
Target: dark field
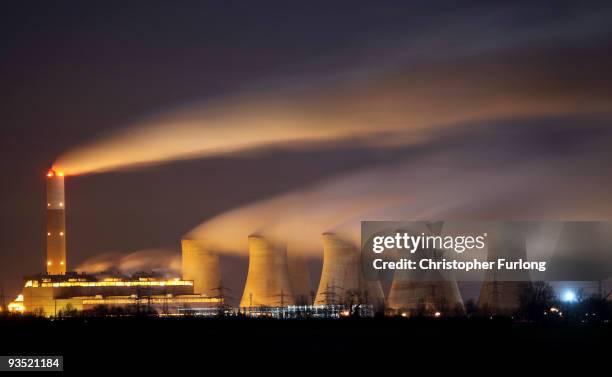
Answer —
156 344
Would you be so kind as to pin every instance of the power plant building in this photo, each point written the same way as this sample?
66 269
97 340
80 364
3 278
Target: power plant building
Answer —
59 291
50 295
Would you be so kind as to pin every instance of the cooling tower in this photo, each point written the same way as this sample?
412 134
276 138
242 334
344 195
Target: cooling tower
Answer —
425 297
202 266
268 282
501 297
342 279
424 292
501 290
299 275
56 224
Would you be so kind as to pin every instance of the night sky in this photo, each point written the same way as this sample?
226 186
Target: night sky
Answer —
528 82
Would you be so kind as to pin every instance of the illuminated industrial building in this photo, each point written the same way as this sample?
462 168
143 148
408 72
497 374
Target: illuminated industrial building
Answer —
59 291
50 295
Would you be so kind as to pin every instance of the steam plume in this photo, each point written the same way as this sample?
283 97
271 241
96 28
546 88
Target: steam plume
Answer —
163 261
415 85
493 175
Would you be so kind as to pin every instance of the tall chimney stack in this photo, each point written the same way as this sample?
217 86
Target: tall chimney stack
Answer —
56 224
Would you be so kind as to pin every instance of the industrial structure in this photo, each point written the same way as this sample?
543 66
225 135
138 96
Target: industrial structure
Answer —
424 293
56 224
58 291
50 295
268 283
299 276
201 265
425 298
501 290
342 280
278 282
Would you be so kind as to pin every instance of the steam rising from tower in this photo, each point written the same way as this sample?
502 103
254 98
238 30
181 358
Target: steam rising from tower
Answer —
56 224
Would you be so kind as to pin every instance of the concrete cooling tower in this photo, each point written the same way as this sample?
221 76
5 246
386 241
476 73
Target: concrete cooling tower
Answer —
268 282
342 279
425 297
202 266
500 297
299 275
425 292
501 290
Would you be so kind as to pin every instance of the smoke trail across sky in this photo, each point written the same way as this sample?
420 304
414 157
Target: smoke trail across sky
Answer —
482 123
416 83
508 171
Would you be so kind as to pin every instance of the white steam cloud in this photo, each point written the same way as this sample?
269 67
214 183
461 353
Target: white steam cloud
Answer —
476 183
156 260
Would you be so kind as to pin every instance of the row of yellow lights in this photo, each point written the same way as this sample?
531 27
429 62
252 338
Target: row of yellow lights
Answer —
110 283
153 300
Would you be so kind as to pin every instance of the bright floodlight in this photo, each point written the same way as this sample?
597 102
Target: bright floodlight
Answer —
569 296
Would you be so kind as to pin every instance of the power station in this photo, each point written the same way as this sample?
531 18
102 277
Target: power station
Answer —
60 291
278 282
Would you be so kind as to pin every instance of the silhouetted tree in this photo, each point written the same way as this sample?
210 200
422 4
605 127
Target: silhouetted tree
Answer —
535 299
592 309
68 311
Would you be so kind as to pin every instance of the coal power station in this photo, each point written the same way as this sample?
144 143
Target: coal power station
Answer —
59 291
278 281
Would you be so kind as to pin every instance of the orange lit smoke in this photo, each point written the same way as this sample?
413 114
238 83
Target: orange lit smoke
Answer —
415 98
138 261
